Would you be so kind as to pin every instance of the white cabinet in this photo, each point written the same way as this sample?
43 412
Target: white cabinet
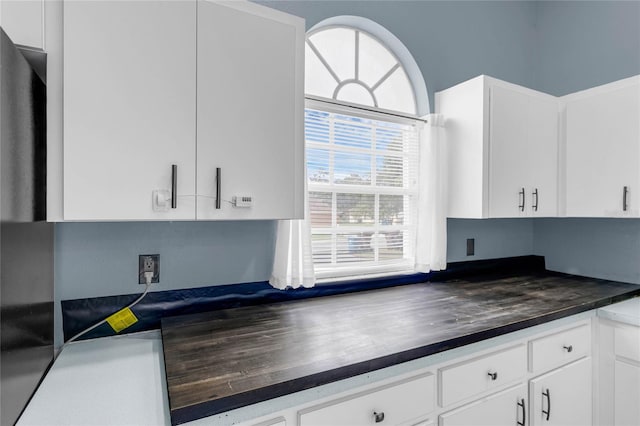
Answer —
197 85
603 150
23 21
503 149
619 364
506 408
250 111
129 108
563 396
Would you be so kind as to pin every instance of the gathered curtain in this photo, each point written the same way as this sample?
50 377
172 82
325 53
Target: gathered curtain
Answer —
431 244
293 261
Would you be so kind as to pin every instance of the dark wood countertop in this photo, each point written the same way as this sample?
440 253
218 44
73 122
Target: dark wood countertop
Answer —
221 360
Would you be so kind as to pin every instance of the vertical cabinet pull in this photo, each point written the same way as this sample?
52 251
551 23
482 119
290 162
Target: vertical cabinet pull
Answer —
378 417
174 186
218 194
625 193
548 412
521 205
534 197
524 413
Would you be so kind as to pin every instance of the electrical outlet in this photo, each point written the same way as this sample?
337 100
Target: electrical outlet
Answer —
471 246
149 263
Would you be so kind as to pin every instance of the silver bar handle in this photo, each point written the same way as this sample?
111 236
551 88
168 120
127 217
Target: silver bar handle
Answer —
521 205
218 191
625 193
174 186
534 195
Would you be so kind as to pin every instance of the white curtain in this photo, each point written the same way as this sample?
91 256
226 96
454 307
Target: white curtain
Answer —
293 263
431 244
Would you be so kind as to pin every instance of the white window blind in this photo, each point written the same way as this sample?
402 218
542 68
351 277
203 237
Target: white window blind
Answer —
362 171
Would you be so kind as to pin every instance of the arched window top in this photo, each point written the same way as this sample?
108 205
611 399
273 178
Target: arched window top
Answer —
351 65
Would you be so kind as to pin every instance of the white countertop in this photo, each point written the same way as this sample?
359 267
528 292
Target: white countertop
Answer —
627 312
109 381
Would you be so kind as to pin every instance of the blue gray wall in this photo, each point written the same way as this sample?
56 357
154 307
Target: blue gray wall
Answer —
581 45
552 46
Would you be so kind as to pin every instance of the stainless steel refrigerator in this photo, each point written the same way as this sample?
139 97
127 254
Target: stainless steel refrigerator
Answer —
26 239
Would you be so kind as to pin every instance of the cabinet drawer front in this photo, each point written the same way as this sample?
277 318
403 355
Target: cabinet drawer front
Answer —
398 402
505 408
478 375
627 342
561 348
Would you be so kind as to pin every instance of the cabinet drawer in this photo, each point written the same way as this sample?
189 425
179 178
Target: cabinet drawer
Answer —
481 374
398 403
627 342
560 348
504 408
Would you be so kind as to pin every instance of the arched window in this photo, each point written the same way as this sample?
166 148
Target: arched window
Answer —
362 134
350 65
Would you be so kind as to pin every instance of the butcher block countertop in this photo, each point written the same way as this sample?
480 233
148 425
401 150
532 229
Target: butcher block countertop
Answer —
230 358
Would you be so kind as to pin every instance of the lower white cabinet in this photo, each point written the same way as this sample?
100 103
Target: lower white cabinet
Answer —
618 391
563 396
627 394
506 408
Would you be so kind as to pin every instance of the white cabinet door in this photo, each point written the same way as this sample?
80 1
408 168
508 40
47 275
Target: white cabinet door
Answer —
562 397
23 21
627 394
603 151
129 108
506 408
523 166
250 111
508 165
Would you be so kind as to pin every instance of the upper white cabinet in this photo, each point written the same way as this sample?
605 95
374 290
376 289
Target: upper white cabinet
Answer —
603 150
23 21
250 111
503 149
160 95
129 108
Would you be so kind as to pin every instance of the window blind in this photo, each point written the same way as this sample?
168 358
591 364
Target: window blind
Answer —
362 175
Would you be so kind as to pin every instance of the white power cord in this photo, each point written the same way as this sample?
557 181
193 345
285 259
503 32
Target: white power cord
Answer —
148 276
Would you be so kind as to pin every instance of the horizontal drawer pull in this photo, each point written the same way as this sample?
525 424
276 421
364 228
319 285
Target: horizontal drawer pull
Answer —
493 376
568 348
378 417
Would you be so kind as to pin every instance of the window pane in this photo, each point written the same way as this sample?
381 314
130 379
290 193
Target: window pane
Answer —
318 81
355 93
321 248
316 126
318 165
393 245
355 209
320 208
338 47
389 137
354 247
353 134
391 209
352 169
396 93
390 171
375 60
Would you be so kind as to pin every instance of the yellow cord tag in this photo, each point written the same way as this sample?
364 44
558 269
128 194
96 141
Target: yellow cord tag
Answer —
122 319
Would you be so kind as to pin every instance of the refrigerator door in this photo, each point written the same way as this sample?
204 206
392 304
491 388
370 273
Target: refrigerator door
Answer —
26 241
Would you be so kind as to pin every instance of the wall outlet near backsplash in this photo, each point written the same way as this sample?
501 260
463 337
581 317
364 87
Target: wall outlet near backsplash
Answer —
471 246
148 263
